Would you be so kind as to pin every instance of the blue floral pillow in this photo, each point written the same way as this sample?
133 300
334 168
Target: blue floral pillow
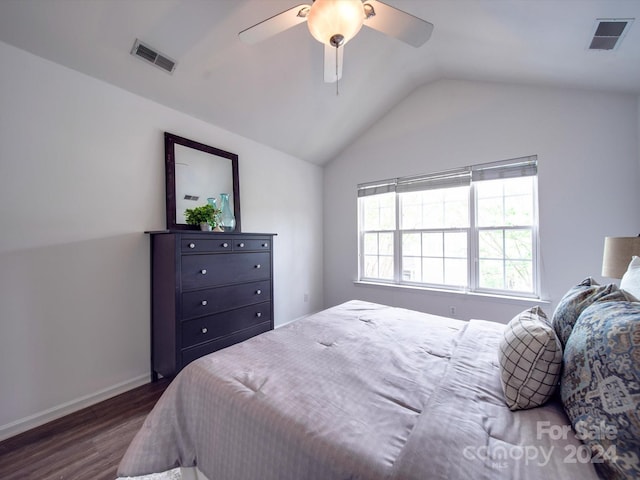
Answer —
576 300
600 385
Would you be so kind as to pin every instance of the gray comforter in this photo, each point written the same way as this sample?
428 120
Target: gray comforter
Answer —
358 391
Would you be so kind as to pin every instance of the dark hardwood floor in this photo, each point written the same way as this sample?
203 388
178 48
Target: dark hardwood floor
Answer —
86 445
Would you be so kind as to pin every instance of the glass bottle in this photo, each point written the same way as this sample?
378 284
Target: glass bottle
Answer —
227 219
216 219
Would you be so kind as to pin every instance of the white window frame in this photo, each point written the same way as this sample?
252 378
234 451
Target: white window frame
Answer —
519 167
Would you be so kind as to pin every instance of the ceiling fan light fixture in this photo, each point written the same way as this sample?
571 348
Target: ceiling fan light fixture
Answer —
328 19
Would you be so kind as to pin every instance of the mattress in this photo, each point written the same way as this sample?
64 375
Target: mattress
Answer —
358 391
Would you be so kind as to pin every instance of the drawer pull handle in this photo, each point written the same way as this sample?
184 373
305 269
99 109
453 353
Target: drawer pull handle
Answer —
259 314
204 330
225 245
203 303
265 245
258 266
241 245
258 292
192 245
203 271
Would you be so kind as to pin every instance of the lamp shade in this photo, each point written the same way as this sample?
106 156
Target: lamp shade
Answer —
335 17
617 255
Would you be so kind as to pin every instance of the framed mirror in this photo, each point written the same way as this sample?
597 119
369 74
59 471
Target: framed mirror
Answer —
195 172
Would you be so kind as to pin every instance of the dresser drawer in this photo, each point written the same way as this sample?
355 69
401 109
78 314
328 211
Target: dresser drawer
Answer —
205 302
205 245
222 244
201 271
193 353
209 328
244 244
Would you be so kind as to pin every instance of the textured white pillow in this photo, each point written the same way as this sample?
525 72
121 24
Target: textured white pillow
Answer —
631 279
530 359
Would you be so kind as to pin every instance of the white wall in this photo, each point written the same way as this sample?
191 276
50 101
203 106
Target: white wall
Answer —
81 179
587 147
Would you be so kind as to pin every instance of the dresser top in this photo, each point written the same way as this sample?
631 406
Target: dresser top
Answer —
214 234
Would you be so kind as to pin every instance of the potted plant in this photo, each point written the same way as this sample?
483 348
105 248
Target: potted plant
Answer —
206 216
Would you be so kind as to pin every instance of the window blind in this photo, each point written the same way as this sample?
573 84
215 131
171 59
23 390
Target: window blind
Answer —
517 167
451 178
376 188
459 177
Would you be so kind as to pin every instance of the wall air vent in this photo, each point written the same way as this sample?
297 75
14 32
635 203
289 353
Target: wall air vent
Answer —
151 55
609 33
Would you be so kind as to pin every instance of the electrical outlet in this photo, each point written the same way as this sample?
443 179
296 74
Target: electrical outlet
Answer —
306 298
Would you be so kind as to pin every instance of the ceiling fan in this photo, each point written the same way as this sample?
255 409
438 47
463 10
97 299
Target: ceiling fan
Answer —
335 22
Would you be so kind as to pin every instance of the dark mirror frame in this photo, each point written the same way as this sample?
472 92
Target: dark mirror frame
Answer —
170 140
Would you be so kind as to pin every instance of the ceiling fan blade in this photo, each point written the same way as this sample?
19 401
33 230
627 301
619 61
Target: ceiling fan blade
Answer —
276 24
399 24
330 63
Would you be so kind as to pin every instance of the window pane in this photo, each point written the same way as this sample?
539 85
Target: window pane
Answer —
432 212
411 244
371 266
508 268
518 186
411 217
411 208
432 270
457 214
378 255
490 212
432 245
456 211
387 217
490 244
441 259
518 244
385 243
431 209
386 268
370 244
379 212
455 244
411 269
518 210
455 272
433 215
519 276
489 189
505 202
491 274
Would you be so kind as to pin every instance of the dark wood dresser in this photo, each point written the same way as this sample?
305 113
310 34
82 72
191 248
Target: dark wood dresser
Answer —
208 291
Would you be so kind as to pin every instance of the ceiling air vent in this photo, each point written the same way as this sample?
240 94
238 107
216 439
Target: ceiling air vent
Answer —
609 32
152 56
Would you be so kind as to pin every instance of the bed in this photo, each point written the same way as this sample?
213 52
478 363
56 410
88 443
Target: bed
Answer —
358 391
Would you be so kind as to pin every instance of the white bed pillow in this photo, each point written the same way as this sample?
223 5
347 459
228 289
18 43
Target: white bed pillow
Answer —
530 359
631 279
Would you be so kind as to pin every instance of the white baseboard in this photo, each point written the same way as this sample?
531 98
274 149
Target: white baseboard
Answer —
295 319
33 421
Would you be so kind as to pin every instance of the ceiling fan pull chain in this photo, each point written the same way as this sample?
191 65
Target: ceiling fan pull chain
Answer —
337 79
335 41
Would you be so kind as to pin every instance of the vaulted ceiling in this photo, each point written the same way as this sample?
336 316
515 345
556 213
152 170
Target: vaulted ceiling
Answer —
273 92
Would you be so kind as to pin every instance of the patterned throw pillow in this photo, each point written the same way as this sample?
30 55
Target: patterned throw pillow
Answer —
530 358
631 279
600 385
576 300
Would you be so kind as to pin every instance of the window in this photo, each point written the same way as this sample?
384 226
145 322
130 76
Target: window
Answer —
470 229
